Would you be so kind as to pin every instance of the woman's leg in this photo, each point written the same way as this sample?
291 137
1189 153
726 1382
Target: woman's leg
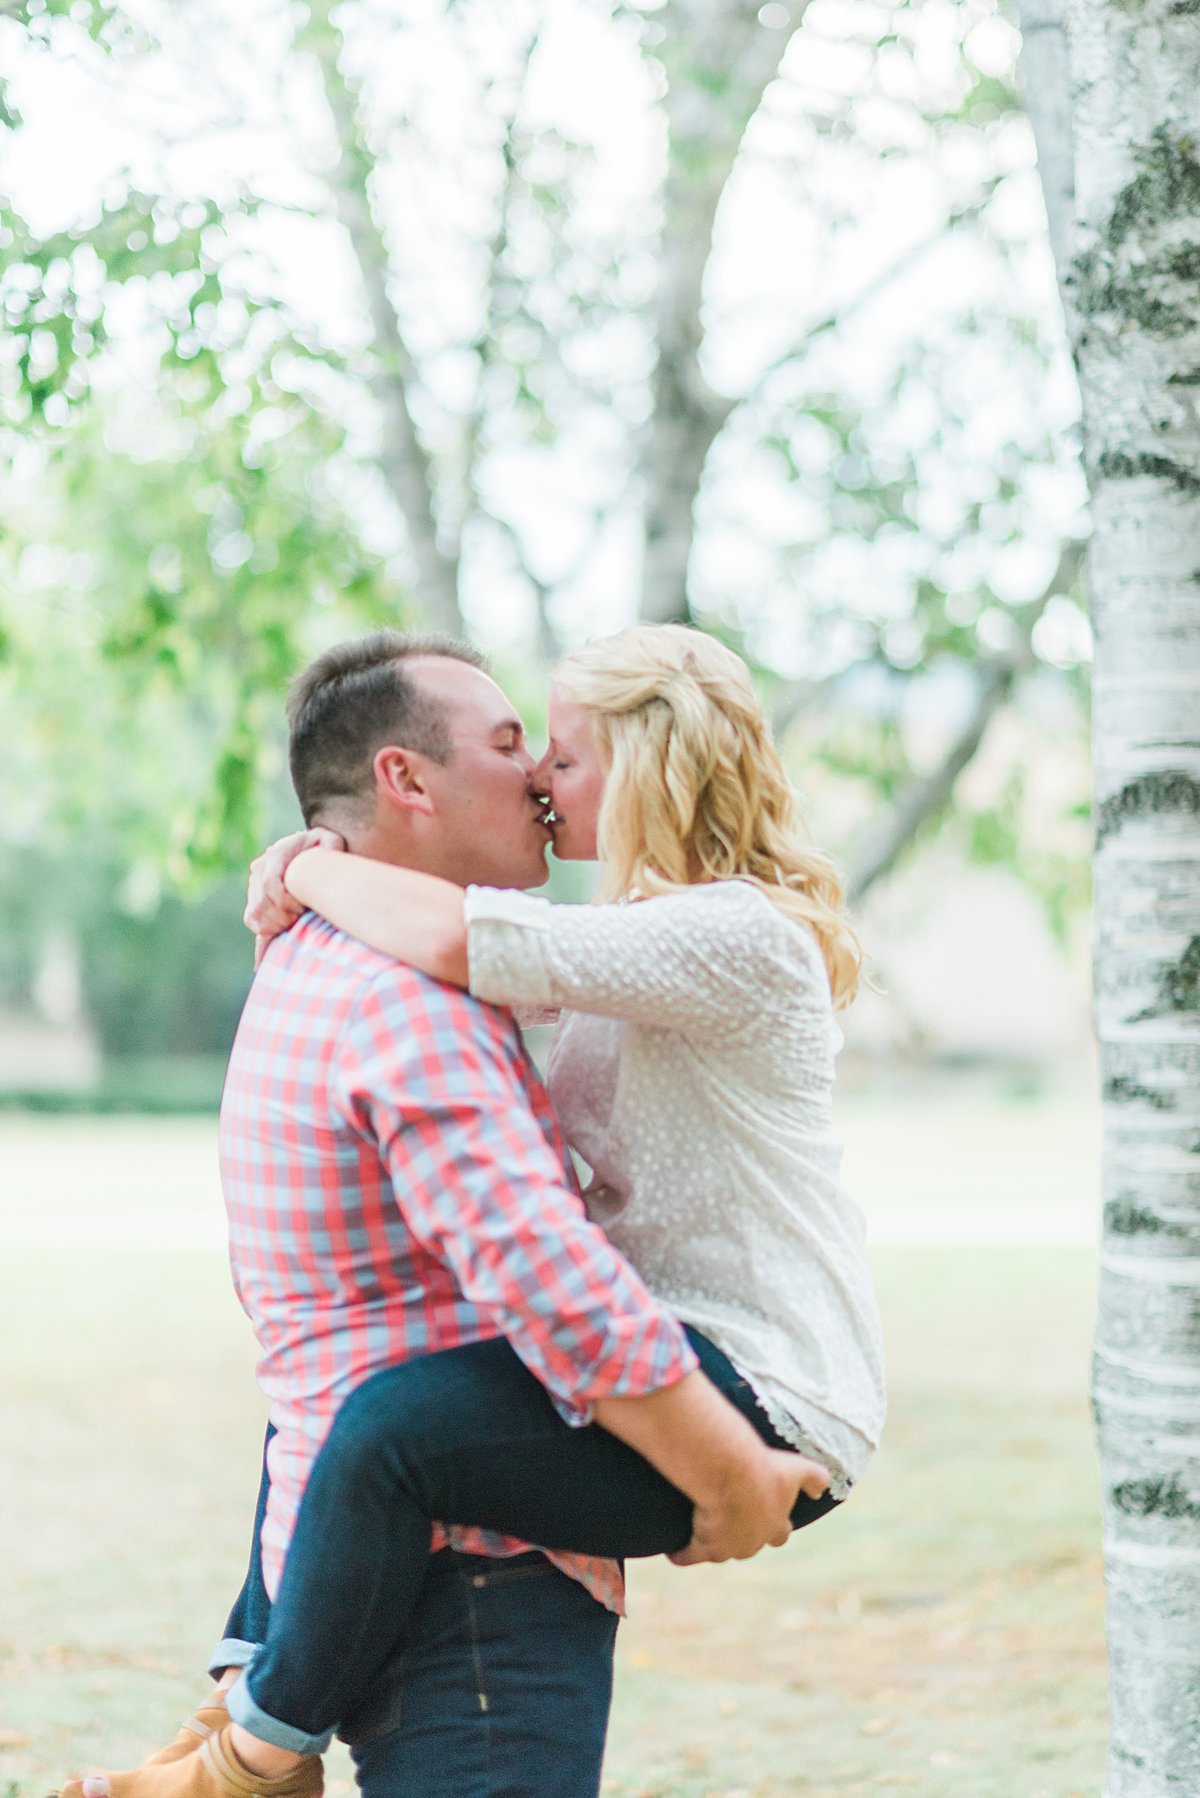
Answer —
465 1436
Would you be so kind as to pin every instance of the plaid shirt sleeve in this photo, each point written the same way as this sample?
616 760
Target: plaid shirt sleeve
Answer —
433 1077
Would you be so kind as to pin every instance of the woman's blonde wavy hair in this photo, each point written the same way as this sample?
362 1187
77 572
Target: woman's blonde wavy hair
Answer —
695 790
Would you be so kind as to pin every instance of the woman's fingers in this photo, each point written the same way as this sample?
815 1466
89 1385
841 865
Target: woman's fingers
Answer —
321 837
270 908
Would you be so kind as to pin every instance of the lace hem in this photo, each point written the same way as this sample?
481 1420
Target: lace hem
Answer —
785 1425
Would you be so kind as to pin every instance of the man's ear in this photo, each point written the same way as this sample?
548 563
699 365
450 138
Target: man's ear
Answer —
400 779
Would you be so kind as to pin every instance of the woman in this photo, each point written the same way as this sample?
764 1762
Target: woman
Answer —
692 1070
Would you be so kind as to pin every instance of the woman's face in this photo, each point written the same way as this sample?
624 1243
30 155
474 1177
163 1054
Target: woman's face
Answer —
572 776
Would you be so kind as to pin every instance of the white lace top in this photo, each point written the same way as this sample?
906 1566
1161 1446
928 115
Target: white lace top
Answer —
692 1070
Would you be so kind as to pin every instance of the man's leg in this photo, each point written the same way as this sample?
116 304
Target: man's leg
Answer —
503 1690
246 1627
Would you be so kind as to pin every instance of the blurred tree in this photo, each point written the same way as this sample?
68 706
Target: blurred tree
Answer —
535 374
569 336
1124 162
169 979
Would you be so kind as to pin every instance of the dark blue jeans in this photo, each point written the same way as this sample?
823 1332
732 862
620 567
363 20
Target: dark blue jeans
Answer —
467 1436
502 1689
249 1620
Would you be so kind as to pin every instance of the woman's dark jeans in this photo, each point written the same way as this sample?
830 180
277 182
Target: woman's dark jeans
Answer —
466 1436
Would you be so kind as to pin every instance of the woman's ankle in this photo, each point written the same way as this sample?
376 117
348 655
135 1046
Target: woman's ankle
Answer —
263 1759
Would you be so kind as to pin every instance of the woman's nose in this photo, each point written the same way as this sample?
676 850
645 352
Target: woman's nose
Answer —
539 775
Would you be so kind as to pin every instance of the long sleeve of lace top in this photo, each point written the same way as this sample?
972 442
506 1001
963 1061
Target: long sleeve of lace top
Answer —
708 960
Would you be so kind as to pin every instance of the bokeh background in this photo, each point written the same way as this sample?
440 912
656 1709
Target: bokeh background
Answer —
524 321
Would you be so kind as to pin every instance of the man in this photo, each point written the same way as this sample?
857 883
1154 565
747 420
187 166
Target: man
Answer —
396 1184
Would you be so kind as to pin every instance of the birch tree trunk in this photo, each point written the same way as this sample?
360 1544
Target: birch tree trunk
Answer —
1133 292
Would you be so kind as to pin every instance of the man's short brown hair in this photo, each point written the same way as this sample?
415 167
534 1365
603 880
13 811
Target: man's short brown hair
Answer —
355 699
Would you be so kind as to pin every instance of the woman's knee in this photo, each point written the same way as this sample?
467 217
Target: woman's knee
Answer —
388 1422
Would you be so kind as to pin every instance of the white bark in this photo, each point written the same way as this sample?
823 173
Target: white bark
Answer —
720 60
1135 82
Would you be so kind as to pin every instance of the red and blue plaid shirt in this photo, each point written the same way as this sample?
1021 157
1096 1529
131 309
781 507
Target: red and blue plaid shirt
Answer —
396 1183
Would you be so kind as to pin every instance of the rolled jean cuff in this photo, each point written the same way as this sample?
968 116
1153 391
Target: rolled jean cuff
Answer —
230 1652
243 1710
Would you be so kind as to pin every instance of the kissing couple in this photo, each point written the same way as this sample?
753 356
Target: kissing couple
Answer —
464 1356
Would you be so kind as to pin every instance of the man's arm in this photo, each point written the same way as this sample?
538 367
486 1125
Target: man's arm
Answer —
743 1491
435 1077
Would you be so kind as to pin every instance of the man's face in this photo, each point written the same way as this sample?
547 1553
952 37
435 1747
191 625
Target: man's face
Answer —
486 820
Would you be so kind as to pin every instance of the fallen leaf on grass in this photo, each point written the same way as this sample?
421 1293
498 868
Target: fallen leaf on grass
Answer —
12 1738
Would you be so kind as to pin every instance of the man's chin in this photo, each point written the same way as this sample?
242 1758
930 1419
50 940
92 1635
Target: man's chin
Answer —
531 871
542 874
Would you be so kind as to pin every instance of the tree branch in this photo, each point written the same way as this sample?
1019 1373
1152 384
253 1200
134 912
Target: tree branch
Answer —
403 461
496 250
878 284
720 60
549 647
1047 98
928 795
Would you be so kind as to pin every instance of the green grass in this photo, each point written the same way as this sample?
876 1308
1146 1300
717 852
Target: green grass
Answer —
943 1634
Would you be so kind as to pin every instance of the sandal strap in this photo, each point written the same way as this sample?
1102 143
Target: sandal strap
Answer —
207 1720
